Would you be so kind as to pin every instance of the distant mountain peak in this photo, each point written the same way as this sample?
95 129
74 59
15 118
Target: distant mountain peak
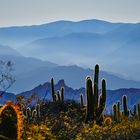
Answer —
61 83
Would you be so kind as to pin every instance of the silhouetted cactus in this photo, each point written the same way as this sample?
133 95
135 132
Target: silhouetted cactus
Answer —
34 115
95 106
125 110
58 95
134 112
81 100
114 110
28 114
55 98
62 94
38 110
118 111
89 100
139 111
53 90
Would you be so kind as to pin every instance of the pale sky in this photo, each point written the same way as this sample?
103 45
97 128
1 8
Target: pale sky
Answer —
29 12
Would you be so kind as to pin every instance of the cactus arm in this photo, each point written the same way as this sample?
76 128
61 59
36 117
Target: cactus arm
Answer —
58 95
90 100
118 111
102 100
96 77
134 112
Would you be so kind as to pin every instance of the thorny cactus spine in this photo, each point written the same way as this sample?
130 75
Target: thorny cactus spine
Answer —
125 109
95 107
81 100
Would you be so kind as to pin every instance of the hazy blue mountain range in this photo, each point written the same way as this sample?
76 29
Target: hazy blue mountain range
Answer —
30 72
6 50
44 92
115 46
19 35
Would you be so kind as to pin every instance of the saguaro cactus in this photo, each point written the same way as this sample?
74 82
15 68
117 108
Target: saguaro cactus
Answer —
90 100
28 114
139 110
118 111
58 95
81 100
38 110
134 112
114 110
62 94
53 91
95 106
125 110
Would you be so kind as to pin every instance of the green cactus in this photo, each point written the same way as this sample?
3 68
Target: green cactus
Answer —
95 107
55 97
62 94
118 111
90 100
81 100
125 110
139 110
28 114
114 110
34 115
134 112
53 91
58 95
38 110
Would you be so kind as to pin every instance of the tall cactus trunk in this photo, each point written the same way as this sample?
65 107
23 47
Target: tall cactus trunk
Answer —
62 94
134 112
118 111
125 109
102 100
53 91
90 100
139 110
96 90
114 110
95 106
81 100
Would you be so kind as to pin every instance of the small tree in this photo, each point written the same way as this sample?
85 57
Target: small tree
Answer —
6 77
